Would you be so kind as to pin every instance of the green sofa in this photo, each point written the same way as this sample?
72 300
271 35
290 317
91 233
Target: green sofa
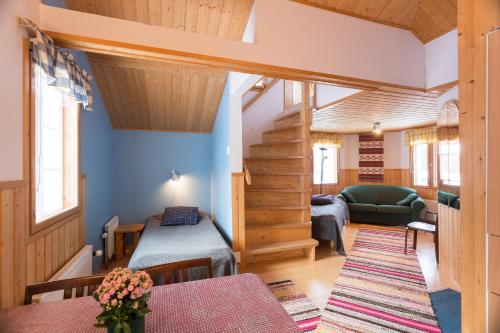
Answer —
382 204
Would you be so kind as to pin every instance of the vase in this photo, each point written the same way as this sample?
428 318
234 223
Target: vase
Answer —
136 326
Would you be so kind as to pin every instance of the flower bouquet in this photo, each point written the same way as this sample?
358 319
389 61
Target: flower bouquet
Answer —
123 297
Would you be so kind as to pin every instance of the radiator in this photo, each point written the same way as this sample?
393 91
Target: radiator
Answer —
109 241
80 265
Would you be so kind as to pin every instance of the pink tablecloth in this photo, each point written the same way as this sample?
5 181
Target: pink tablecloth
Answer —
241 303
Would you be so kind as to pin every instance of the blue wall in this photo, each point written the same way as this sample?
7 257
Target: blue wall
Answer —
142 164
222 167
96 163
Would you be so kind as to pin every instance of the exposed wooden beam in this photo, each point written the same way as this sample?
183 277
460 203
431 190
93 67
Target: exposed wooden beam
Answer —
260 94
104 46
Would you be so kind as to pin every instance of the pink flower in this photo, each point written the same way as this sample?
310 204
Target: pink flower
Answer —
114 302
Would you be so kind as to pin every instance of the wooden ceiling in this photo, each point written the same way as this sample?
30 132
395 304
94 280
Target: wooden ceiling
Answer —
427 19
395 111
220 18
158 96
150 95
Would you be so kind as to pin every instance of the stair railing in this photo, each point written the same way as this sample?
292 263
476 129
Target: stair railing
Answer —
248 176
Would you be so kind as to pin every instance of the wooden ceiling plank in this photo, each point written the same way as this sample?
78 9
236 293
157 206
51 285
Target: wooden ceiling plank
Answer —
192 9
167 13
203 14
179 12
154 12
118 9
102 7
106 96
235 19
244 19
225 19
142 11
214 17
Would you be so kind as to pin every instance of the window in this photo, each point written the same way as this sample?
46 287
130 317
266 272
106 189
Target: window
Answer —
449 163
293 93
329 157
421 165
296 92
55 151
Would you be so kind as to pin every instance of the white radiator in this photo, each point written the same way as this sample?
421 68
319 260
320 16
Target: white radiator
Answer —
80 265
109 229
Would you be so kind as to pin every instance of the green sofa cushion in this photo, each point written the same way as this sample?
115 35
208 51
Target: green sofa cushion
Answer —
407 201
361 207
447 198
390 209
377 194
349 196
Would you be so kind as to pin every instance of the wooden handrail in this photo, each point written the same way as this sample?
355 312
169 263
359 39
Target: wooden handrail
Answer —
248 176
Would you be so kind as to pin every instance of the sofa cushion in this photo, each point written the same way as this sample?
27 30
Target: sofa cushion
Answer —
361 207
349 196
391 209
407 201
363 193
390 195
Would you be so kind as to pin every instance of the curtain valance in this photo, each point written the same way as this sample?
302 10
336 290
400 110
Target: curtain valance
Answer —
327 139
60 66
447 133
421 135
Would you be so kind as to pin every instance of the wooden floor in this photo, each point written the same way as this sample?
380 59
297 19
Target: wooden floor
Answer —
316 278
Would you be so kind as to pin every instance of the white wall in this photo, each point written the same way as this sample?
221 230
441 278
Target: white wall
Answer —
396 154
287 34
259 116
11 58
327 93
441 60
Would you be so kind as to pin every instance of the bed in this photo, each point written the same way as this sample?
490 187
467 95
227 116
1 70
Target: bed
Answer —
165 244
329 221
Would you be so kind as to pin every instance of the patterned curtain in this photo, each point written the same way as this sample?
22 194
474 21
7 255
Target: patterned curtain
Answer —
60 66
327 139
447 133
421 135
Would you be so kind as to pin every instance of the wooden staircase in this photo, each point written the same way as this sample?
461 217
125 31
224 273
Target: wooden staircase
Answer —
277 202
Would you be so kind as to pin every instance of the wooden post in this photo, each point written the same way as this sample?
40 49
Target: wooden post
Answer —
475 20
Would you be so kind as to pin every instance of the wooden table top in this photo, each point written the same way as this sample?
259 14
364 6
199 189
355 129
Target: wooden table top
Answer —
126 228
234 304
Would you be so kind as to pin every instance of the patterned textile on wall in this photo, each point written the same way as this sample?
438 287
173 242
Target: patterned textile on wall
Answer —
371 158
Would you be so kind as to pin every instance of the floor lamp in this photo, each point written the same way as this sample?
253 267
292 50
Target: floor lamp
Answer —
323 158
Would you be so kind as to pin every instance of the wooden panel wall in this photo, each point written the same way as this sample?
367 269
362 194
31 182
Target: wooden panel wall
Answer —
450 262
400 177
475 21
26 259
238 213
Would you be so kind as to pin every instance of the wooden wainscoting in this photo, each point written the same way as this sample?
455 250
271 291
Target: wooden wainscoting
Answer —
400 177
450 262
26 259
238 209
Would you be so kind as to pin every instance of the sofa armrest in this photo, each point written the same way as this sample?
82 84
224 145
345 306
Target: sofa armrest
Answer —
341 197
416 206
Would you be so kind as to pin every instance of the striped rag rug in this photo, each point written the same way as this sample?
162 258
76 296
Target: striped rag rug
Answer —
296 303
380 289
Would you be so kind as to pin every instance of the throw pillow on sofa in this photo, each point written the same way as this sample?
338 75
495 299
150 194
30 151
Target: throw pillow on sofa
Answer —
408 200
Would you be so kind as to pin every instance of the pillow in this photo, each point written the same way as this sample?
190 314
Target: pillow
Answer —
322 199
446 198
407 201
349 197
180 216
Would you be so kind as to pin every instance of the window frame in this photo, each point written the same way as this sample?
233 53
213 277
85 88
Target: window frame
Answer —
431 168
61 217
441 184
337 171
288 94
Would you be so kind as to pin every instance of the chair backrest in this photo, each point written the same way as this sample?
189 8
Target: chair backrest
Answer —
73 288
176 272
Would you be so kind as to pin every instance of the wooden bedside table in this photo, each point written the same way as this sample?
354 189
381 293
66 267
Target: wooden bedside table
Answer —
124 229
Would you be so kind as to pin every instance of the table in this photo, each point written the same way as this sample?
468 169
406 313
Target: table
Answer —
122 230
240 303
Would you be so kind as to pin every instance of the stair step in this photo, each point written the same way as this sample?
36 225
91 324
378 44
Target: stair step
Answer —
252 188
281 129
278 207
281 246
280 142
288 115
249 226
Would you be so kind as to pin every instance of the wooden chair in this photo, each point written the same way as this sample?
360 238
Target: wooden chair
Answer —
176 272
83 286
426 224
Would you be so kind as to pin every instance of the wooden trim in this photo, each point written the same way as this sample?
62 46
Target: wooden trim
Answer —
425 41
260 94
238 215
11 184
103 46
444 86
37 230
26 106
